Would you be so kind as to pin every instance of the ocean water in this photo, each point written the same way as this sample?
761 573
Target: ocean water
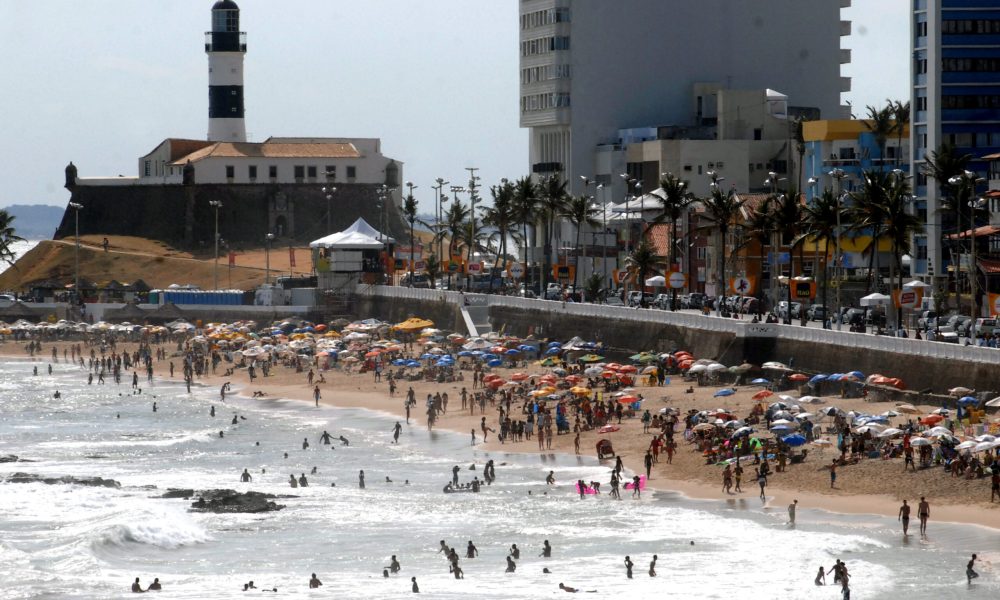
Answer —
69 541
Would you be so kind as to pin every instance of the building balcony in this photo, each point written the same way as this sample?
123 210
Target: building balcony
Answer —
845 56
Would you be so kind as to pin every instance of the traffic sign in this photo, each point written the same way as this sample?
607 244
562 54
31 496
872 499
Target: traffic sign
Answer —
741 285
515 270
563 272
677 280
804 289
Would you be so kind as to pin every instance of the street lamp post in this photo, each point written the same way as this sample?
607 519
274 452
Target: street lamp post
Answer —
76 207
973 275
410 187
439 213
329 191
839 175
216 204
473 179
267 256
971 179
716 184
772 181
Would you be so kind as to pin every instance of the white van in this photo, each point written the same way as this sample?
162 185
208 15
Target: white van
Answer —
6 300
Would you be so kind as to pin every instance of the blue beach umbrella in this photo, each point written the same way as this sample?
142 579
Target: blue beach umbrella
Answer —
512 352
794 440
526 348
760 381
967 401
857 374
817 378
465 353
427 356
494 363
413 363
723 392
552 351
399 362
782 428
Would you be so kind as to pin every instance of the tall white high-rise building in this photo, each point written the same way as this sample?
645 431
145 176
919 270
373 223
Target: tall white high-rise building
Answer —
590 68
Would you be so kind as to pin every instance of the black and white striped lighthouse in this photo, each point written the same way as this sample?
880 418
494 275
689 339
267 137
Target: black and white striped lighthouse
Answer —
225 45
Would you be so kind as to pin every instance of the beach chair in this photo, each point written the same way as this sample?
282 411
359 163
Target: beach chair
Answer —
605 450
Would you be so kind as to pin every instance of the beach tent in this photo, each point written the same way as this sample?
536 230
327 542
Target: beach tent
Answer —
875 299
359 235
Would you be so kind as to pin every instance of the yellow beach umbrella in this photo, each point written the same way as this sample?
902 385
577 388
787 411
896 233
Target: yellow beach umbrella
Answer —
413 324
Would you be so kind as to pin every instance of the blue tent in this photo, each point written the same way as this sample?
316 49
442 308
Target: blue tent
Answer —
723 392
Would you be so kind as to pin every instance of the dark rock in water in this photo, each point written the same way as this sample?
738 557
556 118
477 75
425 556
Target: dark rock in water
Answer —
231 501
8 458
173 493
95 456
67 479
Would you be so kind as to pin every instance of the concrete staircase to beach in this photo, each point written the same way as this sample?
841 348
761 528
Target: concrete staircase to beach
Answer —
476 314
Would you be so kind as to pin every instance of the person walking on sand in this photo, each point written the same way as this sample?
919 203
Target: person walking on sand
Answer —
904 516
833 473
923 513
316 395
762 482
970 572
791 512
648 461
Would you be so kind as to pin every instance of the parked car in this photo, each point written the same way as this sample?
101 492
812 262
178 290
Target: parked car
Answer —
635 297
695 300
782 310
983 326
816 312
613 300
927 320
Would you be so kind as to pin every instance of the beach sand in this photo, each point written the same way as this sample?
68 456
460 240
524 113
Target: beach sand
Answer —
873 486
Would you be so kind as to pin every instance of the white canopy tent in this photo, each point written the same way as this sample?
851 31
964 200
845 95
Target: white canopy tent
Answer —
359 236
875 299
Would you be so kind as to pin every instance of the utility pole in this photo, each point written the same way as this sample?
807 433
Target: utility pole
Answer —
216 204
472 215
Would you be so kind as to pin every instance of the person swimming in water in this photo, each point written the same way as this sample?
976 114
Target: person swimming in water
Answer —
292 481
314 582
511 567
515 551
325 438
136 588
245 477
155 586
344 441
393 565
415 588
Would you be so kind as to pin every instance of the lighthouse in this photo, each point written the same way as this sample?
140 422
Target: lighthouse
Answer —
225 45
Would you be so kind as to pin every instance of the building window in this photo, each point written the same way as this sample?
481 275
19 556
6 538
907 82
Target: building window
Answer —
701 252
352 172
300 172
331 172
312 171
921 29
921 66
146 168
230 171
272 171
758 134
252 172
921 103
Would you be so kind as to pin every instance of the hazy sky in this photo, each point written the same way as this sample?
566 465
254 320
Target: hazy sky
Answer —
102 82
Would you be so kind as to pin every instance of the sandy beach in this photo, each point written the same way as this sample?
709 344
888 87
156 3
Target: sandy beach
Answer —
873 486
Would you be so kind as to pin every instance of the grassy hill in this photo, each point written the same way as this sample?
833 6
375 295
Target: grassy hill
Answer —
159 265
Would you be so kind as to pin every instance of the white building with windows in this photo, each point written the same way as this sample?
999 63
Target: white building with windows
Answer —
590 69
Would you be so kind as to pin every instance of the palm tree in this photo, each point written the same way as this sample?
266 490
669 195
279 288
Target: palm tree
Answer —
502 217
760 226
525 210
722 210
901 118
581 214
454 220
410 214
819 223
551 204
674 201
866 214
8 236
880 123
787 215
642 261
900 225
474 239
432 266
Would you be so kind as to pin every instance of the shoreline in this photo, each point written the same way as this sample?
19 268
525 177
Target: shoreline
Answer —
350 390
